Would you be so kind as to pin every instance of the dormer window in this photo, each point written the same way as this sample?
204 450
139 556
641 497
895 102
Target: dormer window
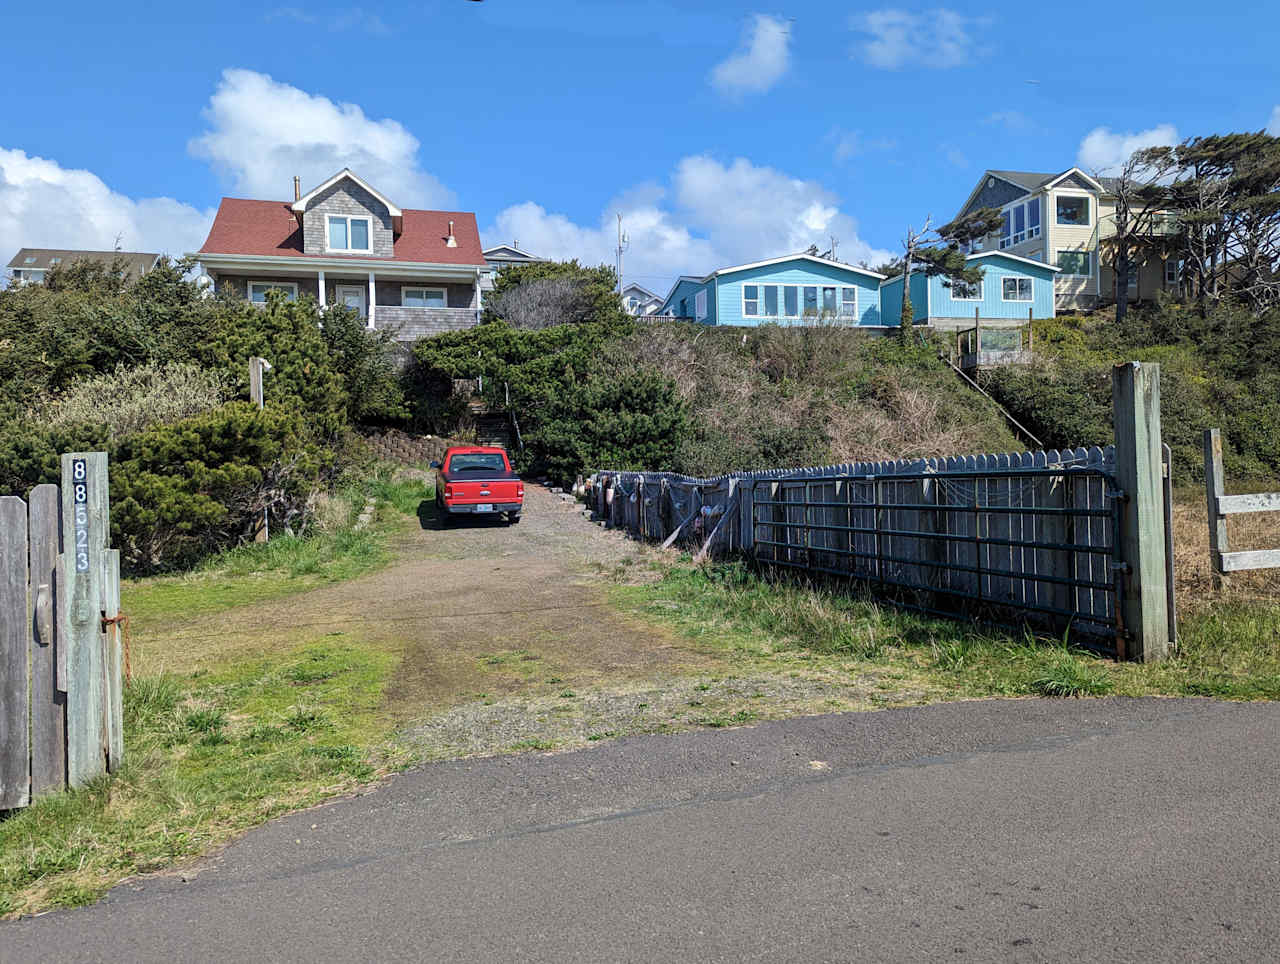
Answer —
53 262
28 260
348 233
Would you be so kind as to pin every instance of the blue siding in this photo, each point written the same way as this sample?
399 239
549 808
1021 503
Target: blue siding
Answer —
798 272
687 291
891 299
992 304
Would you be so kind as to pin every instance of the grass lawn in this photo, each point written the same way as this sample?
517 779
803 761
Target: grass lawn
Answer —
1229 647
215 751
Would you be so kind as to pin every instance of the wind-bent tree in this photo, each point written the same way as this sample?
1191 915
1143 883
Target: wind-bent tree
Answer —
1140 225
941 251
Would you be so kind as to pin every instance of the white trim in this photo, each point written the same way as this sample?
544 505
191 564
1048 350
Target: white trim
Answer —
230 262
1074 170
700 304
300 205
364 299
368 220
840 302
742 288
1093 209
1014 257
248 288
320 287
373 299
1031 283
794 257
1085 251
444 293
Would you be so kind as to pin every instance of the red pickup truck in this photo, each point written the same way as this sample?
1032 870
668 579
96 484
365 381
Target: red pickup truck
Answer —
477 480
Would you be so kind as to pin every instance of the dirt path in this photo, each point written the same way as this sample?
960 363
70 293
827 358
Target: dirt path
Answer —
475 609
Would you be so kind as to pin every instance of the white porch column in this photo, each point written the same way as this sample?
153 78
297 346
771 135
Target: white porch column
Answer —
373 298
320 287
479 297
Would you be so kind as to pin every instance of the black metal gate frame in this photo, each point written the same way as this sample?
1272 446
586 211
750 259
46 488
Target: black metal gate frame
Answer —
1086 628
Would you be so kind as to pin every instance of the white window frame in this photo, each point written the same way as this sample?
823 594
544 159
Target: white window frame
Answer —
777 300
444 293
700 305
1031 288
1063 272
1034 231
782 301
291 285
977 287
1090 203
840 302
1172 272
757 299
330 218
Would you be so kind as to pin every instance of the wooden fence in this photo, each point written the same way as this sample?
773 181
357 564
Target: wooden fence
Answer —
1057 541
1222 505
60 635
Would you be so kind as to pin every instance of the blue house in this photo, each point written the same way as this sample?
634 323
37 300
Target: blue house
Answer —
1012 289
788 290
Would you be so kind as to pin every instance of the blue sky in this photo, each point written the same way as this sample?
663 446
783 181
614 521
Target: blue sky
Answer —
724 133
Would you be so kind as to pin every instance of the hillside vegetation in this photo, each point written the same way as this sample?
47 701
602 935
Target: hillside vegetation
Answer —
1216 371
686 398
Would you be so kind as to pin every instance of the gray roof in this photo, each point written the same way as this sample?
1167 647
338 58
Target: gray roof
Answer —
42 259
1031 180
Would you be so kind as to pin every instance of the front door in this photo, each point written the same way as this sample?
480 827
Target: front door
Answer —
352 296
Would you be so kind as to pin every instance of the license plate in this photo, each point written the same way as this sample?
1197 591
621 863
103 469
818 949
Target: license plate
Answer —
487 507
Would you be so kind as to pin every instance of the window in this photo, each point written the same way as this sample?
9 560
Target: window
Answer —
1073 210
258 290
771 301
1033 218
1016 289
700 305
750 301
477 462
348 234
1019 224
28 260
849 302
54 262
828 302
810 300
424 298
1172 272
1006 231
790 301
960 291
1075 263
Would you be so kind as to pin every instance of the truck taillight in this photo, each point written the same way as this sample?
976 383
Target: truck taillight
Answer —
519 491
448 492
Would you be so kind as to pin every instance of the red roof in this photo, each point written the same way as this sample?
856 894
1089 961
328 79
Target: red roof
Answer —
271 228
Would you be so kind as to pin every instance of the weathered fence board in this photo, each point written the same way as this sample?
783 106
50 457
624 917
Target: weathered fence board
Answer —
48 696
15 777
1221 505
85 527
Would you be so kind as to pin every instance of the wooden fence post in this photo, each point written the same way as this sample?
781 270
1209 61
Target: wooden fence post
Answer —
48 696
15 762
86 526
1213 490
1135 397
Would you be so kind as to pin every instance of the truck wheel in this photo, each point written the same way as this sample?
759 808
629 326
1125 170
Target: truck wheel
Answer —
513 518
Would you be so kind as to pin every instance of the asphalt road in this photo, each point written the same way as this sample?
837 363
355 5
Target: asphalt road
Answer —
1033 830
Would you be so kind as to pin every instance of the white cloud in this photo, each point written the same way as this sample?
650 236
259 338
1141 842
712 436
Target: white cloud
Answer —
1273 126
760 62
712 216
1104 151
44 205
897 38
262 132
849 144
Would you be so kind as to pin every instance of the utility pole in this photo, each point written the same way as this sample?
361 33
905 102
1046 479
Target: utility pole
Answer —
834 243
624 242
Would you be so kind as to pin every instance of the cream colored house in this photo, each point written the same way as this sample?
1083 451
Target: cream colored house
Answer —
1060 219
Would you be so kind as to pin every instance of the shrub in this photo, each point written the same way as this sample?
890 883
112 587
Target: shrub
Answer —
131 399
